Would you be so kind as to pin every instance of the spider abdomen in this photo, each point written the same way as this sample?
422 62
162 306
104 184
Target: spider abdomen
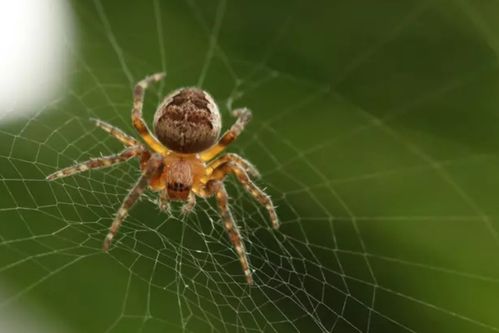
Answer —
188 121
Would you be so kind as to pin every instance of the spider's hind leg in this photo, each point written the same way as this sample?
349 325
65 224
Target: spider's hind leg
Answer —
138 120
243 118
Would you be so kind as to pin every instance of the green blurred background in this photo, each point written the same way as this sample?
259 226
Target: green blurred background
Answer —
376 129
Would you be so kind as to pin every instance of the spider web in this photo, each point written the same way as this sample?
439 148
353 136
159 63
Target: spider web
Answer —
385 227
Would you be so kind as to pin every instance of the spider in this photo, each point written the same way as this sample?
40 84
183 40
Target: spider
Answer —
179 160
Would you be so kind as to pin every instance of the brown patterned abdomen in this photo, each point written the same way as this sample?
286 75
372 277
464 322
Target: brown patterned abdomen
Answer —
188 121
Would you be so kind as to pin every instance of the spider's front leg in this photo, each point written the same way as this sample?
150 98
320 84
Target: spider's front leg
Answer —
231 157
153 168
243 118
238 170
97 163
218 189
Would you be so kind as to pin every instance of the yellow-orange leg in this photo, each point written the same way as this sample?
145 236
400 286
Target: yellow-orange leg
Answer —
138 121
243 117
97 163
126 139
241 175
152 168
218 188
231 157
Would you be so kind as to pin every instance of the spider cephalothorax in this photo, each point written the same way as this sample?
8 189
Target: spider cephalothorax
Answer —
179 179
180 163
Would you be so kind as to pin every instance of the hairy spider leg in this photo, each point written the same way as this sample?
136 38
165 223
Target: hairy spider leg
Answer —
218 189
124 138
231 157
243 117
137 119
152 168
230 167
97 163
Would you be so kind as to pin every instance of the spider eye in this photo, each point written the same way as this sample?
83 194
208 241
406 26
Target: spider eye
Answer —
178 191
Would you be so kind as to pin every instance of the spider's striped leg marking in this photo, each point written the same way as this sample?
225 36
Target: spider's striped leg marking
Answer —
153 165
164 201
218 188
190 204
96 163
138 121
126 139
243 117
231 157
249 186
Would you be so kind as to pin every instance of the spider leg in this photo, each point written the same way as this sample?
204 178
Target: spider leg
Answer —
190 204
138 121
218 188
96 163
126 139
231 157
260 196
152 167
243 117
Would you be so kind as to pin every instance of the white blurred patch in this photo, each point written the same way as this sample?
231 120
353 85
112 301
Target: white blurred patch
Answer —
35 44
28 317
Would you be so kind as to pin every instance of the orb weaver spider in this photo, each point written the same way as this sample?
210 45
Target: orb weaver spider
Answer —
180 162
